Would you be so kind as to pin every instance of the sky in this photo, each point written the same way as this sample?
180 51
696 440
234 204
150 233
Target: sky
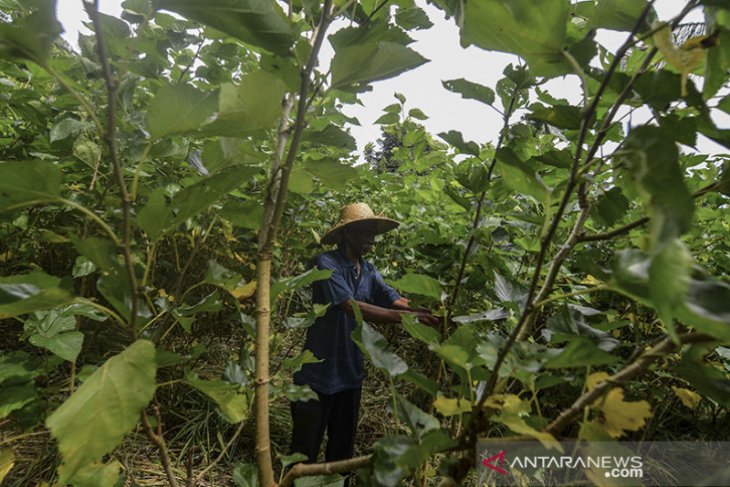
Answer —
422 86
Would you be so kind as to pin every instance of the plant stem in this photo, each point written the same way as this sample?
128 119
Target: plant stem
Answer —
159 441
341 466
552 299
274 204
109 136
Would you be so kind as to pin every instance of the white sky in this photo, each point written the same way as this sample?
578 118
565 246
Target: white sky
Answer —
422 86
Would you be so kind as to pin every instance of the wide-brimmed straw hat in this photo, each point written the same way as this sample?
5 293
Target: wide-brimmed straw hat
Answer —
358 212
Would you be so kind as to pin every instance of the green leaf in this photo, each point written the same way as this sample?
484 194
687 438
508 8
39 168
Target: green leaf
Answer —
28 182
581 352
179 108
417 420
331 135
249 108
653 165
95 419
7 461
706 307
15 397
521 177
422 333
718 64
158 218
533 30
387 119
419 284
374 345
18 367
669 276
68 127
412 18
560 116
55 330
260 23
612 206
456 139
384 60
97 475
471 90
233 405
32 36
101 252
331 173
35 291
417 114
297 282
705 377
245 475
621 14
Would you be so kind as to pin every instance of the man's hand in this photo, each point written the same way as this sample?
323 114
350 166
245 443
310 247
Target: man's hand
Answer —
425 317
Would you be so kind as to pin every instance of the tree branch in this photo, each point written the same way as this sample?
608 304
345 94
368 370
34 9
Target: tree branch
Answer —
635 368
274 204
593 237
308 470
109 136
159 440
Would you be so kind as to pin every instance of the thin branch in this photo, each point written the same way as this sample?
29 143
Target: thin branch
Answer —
192 61
92 8
477 217
633 369
159 441
308 470
579 292
593 237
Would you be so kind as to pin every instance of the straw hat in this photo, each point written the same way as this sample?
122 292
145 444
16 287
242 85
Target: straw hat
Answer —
358 212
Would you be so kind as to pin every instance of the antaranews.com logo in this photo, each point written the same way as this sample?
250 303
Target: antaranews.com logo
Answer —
508 463
612 466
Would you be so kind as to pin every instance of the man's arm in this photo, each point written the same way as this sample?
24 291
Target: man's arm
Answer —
376 314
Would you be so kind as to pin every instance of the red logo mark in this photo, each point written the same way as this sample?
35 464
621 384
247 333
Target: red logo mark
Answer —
498 459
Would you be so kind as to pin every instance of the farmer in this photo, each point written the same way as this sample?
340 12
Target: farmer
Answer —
337 378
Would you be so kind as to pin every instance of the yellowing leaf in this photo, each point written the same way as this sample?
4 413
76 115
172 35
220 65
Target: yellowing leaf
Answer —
244 292
620 416
508 404
591 281
451 406
595 378
685 58
7 460
617 415
689 398
518 425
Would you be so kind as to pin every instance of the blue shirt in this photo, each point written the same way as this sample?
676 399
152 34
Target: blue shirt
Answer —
342 364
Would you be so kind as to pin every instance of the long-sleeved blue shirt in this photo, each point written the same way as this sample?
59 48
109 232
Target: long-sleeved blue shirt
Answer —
329 338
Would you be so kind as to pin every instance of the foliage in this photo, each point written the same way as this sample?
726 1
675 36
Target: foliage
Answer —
151 181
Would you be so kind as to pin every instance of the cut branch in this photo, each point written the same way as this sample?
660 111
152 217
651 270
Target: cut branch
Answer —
308 470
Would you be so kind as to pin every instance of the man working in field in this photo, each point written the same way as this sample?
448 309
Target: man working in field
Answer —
337 379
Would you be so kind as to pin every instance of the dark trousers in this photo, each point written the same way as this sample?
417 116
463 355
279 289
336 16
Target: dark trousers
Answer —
337 414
